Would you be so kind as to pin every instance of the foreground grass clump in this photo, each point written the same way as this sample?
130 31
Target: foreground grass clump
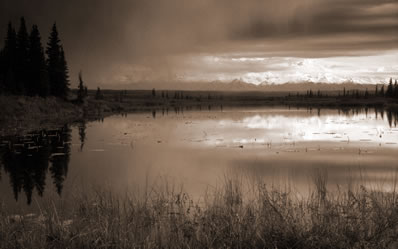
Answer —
226 218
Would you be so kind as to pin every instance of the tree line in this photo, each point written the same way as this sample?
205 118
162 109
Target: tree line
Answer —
387 91
27 69
390 92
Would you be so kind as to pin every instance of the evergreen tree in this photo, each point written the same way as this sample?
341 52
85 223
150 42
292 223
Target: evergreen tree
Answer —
38 83
390 89
153 92
98 94
376 91
56 66
382 91
9 60
80 91
53 58
64 75
22 62
396 89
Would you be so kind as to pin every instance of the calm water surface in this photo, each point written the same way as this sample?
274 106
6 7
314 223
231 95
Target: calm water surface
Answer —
197 149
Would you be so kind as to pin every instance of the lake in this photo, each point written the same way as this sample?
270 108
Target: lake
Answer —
197 149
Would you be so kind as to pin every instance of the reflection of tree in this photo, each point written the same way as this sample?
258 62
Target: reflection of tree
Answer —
82 134
392 118
60 149
392 115
26 160
389 118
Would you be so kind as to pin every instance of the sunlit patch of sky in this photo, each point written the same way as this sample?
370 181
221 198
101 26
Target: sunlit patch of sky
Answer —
251 69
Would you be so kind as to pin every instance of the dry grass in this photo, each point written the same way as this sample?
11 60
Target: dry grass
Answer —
21 114
233 216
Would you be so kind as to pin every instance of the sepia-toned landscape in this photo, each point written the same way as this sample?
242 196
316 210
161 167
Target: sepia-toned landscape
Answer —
199 124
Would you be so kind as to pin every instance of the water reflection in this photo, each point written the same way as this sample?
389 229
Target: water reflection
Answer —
197 145
82 134
28 159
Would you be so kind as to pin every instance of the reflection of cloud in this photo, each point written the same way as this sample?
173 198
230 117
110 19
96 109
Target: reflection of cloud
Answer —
264 128
318 128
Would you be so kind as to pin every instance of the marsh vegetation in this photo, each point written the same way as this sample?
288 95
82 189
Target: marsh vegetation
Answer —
238 214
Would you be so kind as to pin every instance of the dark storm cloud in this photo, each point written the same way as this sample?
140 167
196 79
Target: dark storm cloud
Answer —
99 35
329 17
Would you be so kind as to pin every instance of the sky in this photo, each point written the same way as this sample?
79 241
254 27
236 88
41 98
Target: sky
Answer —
117 43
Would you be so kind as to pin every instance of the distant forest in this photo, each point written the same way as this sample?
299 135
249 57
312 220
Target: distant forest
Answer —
26 69
391 91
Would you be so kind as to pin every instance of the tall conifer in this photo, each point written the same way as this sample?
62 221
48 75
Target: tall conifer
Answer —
9 60
64 75
37 66
22 45
53 58
80 90
56 65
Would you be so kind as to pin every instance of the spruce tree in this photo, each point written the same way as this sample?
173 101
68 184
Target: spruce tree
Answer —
98 94
38 84
80 90
9 60
53 58
56 66
22 70
390 90
64 75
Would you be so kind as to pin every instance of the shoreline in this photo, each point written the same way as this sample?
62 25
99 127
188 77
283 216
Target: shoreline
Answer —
22 114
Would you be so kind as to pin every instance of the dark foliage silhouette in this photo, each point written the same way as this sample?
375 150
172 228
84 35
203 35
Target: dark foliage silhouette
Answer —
82 134
8 69
81 90
22 45
24 68
57 66
98 94
37 66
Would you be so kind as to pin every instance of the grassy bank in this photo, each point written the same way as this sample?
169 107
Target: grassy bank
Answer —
19 114
226 218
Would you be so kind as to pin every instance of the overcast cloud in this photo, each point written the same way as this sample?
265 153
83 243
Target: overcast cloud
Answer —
136 40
